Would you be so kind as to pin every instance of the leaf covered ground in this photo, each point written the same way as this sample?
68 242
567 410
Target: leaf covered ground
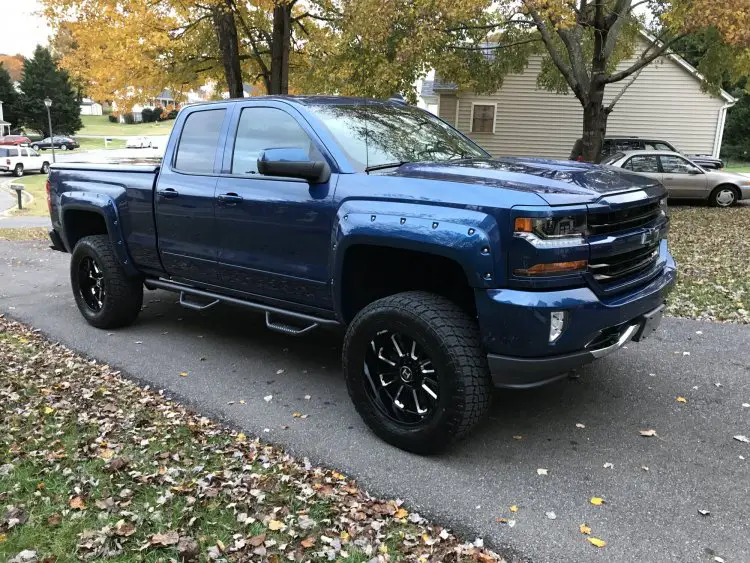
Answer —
94 467
712 249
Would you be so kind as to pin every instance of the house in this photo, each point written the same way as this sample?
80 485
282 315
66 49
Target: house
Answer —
90 107
428 99
664 102
4 125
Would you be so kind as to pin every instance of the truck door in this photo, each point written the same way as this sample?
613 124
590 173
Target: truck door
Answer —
274 233
184 198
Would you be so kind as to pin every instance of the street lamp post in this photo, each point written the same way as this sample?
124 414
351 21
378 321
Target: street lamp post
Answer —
48 104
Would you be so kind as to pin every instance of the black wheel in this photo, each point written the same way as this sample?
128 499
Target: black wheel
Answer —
723 196
45 168
35 147
416 371
18 170
105 295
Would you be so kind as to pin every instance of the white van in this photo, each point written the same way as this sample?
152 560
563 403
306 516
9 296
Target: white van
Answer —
18 160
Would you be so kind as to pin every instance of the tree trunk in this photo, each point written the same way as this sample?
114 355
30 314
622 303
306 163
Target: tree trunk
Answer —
226 34
281 39
594 124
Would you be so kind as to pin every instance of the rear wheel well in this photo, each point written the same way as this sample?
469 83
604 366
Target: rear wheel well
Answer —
79 224
371 272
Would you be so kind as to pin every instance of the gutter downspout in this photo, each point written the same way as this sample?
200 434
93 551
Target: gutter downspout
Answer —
719 136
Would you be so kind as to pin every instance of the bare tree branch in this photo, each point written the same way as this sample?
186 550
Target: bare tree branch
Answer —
554 54
643 60
496 47
614 22
619 95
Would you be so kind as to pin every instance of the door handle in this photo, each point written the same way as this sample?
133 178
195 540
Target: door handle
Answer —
230 199
168 193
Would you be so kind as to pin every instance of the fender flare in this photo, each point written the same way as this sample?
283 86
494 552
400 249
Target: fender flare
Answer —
106 207
468 237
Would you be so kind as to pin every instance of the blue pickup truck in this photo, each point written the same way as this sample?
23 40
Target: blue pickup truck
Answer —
451 271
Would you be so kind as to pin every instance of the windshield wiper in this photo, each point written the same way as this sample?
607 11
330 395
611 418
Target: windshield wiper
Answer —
386 165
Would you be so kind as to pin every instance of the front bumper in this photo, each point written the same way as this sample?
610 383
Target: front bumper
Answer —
744 192
515 327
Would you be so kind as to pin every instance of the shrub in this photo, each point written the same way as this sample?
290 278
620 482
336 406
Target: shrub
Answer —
129 118
148 115
172 114
113 118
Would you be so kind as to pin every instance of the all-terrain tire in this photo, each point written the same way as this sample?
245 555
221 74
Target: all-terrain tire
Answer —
451 339
122 296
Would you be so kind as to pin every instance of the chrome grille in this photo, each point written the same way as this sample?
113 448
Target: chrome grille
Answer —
623 219
613 268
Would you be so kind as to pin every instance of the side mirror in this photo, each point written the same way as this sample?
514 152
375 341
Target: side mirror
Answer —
694 171
293 163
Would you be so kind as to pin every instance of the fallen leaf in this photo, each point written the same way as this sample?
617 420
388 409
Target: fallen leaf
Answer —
551 515
597 501
165 539
124 529
584 529
188 549
608 465
682 400
518 437
647 433
106 454
268 398
296 415
307 397
746 405
77 503
541 471
579 425
183 374
279 372
307 543
401 513
704 512
48 410
54 520
241 437
275 525
514 508
597 542
741 438
644 467
255 541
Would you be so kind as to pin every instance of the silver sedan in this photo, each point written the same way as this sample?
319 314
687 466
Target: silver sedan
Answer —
683 178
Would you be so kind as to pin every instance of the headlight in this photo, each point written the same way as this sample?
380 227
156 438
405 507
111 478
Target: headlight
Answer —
551 232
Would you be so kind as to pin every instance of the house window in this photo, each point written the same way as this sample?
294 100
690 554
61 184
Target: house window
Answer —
482 118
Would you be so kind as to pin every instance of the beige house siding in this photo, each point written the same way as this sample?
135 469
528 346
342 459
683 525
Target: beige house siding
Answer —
665 102
447 108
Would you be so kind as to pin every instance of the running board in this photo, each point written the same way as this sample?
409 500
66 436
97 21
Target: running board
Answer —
312 322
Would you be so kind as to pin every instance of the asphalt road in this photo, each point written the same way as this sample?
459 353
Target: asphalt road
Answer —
649 516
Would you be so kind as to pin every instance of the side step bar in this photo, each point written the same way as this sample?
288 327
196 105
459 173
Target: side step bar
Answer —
311 322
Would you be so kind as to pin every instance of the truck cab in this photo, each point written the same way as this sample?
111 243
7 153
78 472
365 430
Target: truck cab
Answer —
450 271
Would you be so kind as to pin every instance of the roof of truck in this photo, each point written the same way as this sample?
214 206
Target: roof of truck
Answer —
311 100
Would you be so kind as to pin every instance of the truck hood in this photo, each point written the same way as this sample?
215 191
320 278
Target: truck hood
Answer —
557 182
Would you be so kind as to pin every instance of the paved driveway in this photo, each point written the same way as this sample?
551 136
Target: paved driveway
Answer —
649 516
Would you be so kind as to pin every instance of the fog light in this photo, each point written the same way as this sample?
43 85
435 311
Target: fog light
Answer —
556 324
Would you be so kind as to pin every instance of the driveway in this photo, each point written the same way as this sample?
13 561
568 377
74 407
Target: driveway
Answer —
650 514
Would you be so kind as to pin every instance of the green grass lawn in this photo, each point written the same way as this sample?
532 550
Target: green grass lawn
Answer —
96 468
89 144
100 125
34 184
738 167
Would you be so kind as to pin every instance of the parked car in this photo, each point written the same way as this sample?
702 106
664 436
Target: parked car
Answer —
62 143
683 178
19 160
451 271
14 140
138 143
612 145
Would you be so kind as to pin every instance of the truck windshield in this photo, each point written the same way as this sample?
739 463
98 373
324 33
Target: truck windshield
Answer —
376 135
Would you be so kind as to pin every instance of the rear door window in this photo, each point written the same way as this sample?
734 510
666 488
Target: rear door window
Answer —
643 163
199 141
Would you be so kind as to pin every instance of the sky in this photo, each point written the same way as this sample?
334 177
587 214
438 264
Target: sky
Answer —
23 27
